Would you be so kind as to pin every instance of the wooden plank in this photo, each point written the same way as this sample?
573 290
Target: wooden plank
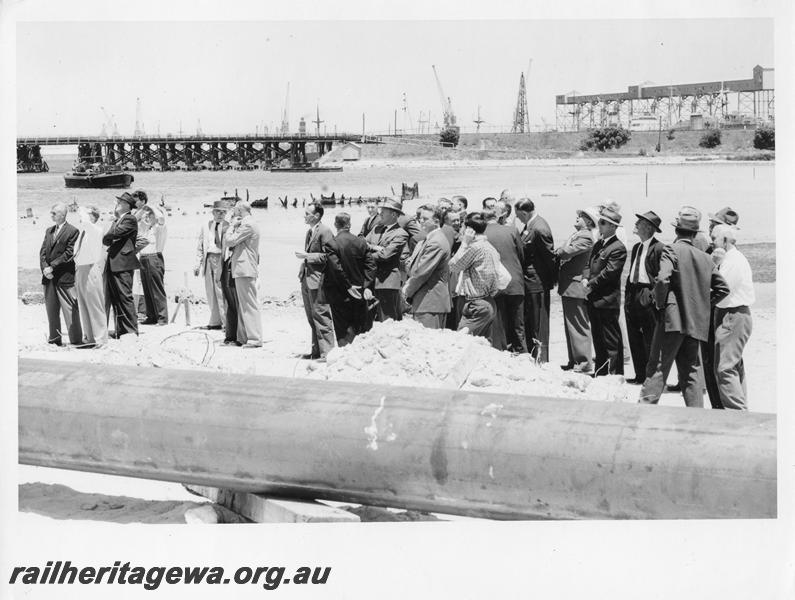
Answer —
263 509
437 450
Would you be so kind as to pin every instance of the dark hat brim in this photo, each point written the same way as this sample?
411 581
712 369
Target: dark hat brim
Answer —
653 224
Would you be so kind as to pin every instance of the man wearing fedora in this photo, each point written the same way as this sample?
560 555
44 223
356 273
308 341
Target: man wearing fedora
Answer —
639 309
387 243
602 284
725 216
120 240
687 284
572 259
209 263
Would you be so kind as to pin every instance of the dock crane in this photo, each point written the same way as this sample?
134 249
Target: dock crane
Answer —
317 120
447 106
285 115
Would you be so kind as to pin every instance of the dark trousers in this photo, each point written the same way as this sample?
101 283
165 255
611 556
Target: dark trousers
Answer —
230 298
667 347
349 314
509 323
641 318
119 293
390 304
62 299
608 343
708 361
454 316
536 324
478 316
152 274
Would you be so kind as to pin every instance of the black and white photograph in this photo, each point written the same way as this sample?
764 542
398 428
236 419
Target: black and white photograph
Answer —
399 301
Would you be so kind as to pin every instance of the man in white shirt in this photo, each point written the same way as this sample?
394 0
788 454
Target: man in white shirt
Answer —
639 309
732 318
89 280
153 268
208 256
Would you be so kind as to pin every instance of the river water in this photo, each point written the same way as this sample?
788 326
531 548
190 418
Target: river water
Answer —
557 189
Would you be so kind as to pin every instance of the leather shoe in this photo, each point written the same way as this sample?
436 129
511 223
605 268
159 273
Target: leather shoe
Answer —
568 367
635 381
674 388
309 356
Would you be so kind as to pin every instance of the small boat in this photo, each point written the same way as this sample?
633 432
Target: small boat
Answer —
260 203
328 200
305 169
97 176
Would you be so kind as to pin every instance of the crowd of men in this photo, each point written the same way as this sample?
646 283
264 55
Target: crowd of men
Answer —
487 272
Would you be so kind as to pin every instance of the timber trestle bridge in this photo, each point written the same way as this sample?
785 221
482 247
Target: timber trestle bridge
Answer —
188 152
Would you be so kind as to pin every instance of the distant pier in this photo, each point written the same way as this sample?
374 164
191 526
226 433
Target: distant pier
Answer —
188 152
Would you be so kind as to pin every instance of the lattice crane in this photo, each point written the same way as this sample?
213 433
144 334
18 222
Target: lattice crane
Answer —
447 106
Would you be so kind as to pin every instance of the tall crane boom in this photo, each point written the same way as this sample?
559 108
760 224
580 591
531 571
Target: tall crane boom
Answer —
447 106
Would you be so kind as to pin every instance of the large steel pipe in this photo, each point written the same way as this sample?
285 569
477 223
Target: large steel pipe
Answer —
459 452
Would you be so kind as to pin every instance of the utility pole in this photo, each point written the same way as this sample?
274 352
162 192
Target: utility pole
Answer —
395 121
363 134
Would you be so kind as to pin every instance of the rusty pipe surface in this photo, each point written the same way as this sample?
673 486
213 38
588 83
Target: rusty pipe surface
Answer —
452 451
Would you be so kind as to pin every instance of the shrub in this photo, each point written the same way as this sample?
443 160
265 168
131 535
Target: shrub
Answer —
642 152
765 138
449 136
710 139
605 138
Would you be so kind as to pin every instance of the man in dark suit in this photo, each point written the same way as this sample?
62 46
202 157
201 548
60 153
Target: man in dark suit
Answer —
387 242
602 284
451 227
687 284
508 332
350 278
639 309
56 258
373 217
427 288
120 240
318 244
540 275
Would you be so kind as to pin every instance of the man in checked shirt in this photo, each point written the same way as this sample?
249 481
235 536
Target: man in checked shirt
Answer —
478 261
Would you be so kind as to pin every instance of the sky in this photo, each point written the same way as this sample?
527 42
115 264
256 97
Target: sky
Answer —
233 76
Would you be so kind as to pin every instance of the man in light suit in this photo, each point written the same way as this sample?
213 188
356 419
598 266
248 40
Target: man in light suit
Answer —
572 260
89 280
540 275
208 255
639 309
387 243
602 286
687 284
319 243
508 332
120 240
243 239
56 259
427 288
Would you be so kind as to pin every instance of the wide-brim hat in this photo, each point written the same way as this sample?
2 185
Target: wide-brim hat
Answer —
651 217
688 219
725 216
591 212
610 215
220 205
126 197
393 204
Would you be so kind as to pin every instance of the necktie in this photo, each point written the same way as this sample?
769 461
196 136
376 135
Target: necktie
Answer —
308 239
636 270
217 237
80 242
